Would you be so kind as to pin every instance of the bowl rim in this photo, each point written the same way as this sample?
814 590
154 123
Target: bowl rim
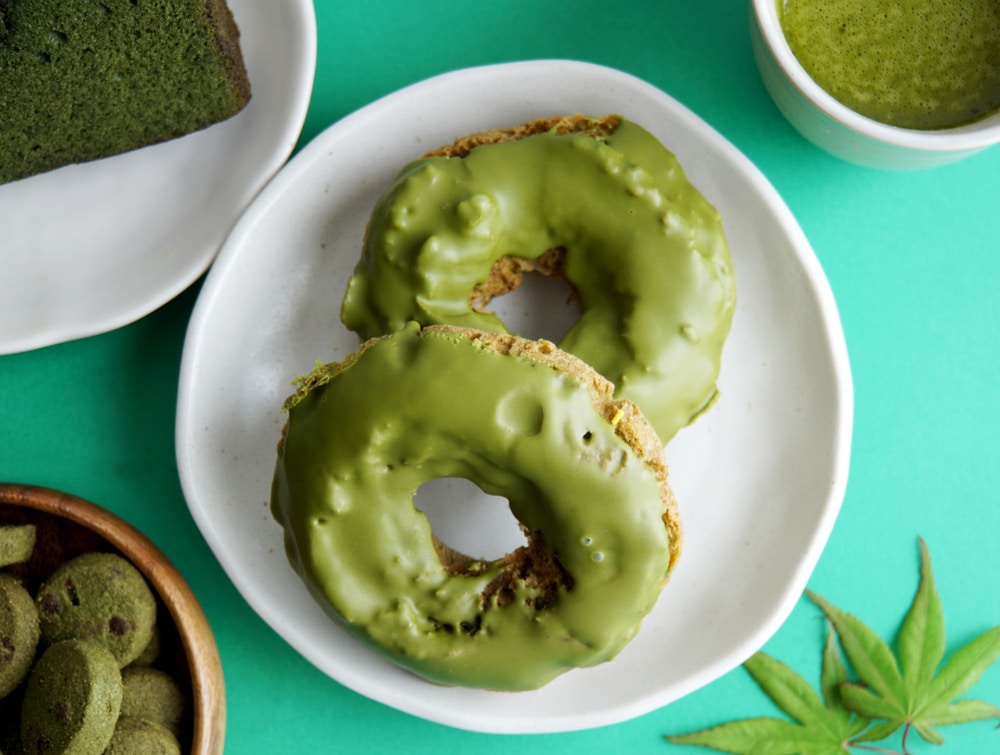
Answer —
970 136
207 684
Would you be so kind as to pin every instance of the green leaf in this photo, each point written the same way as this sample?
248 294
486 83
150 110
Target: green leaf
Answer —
866 703
868 654
819 730
878 731
832 677
960 712
788 690
963 669
928 734
921 638
762 736
893 690
833 674
921 696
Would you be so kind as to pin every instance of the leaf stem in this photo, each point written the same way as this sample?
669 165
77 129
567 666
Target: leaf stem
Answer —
906 732
882 750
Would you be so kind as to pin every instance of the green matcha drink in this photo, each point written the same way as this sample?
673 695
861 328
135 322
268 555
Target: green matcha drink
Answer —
922 64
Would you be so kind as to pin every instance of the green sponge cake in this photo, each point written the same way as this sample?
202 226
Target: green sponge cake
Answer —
81 79
72 700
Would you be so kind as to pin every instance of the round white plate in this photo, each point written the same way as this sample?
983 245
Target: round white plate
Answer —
92 247
760 477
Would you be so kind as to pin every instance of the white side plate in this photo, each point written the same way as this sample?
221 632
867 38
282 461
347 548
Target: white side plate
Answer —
760 477
89 248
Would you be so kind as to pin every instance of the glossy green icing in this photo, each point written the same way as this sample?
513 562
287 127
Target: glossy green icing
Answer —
421 405
923 64
644 250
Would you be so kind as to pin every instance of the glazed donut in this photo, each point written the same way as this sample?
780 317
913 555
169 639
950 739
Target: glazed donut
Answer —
582 472
598 202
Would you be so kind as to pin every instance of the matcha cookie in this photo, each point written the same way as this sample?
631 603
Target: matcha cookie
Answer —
17 541
135 735
99 597
18 633
72 700
151 653
153 695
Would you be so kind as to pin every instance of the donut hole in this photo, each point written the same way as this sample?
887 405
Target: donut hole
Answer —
530 296
467 520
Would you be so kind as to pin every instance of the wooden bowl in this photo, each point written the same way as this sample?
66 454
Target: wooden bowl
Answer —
68 526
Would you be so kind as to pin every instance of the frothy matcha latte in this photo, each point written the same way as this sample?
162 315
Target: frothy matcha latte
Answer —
923 64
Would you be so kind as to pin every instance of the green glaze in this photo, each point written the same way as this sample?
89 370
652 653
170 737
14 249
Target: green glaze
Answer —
421 405
923 64
645 252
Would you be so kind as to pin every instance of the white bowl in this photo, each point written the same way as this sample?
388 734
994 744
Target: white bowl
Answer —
92 247
756 514
841 131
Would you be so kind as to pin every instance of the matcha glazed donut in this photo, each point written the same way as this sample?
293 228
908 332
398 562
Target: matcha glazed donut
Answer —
598 202
582 472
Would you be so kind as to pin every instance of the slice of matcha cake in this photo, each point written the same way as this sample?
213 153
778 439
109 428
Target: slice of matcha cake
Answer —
85 79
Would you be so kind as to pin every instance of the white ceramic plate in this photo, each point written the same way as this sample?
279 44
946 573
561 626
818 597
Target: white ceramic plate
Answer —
760 477
89 248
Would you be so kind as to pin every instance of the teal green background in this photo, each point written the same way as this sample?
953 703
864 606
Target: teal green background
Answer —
913 260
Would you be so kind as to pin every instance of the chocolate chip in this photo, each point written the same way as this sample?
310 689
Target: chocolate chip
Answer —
50 603
61 711
71 592
119 626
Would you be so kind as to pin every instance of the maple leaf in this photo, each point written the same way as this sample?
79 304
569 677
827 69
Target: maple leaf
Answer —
917 692
821 726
